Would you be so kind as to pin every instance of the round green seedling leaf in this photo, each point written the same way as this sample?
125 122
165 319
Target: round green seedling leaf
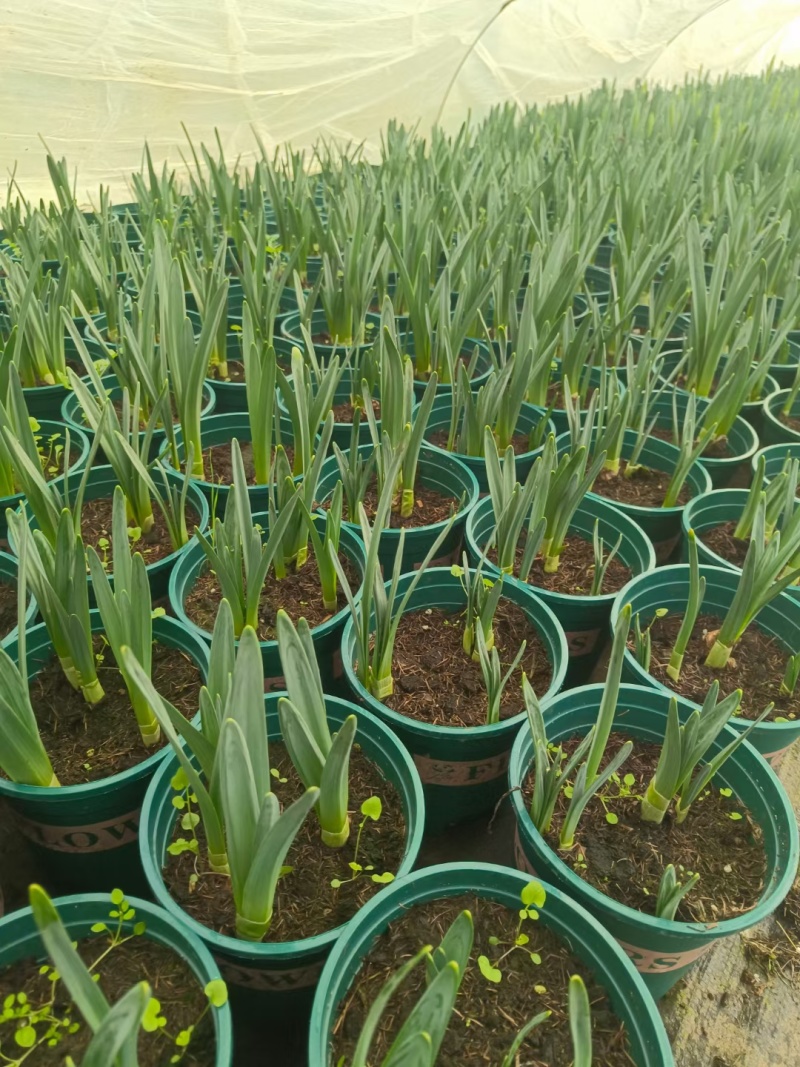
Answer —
490 973
372 808
217 992
533 894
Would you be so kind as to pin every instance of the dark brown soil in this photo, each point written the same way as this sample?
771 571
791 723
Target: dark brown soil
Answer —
487 1015
720 539
520 442
218 466
88 743
438 683
305 903
8 608
430 506
790 421
172 983
96 516
646 488
757 667
625 860
719 449
555 396
235 372
299 594
575 569
345 411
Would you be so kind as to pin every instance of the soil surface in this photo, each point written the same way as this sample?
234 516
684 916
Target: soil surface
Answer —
720 539
345 412
8 608
790 421
438 683
305 902
520 442
719 449
430 506
182 1000
299 594
487 1015
646 488
96 521
219 468
87 743
575 569
757 666
625 859
235 372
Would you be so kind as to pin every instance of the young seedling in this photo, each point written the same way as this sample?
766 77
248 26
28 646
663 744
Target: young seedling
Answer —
321 759
483 596
791 674
601 565
697 589
532 897
494 680
371 809
642 642
679 775
671 892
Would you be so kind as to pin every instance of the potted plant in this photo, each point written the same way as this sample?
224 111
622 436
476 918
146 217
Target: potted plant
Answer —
487 911
632 815
262 563
455 642
129 977
228 781
697 623
573 550
78 744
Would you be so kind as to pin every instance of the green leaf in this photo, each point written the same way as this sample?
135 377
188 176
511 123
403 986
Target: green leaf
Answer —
117 896
490 973
612 818
25 1037
533 894
217 992
153 1019
372 808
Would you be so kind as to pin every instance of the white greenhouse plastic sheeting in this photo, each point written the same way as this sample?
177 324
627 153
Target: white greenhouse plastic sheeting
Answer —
96 78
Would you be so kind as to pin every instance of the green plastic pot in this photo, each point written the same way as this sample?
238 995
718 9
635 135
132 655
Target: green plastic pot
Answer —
742 439
774 458
72 414
585 937
100 485
462 768
221 430
436 470
662 525
290 330
78 442
483 366
19 940
326 637
86 835
773 431
530 417
668 587
584 618
709 510
784 367
288 971
661 950
9 572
